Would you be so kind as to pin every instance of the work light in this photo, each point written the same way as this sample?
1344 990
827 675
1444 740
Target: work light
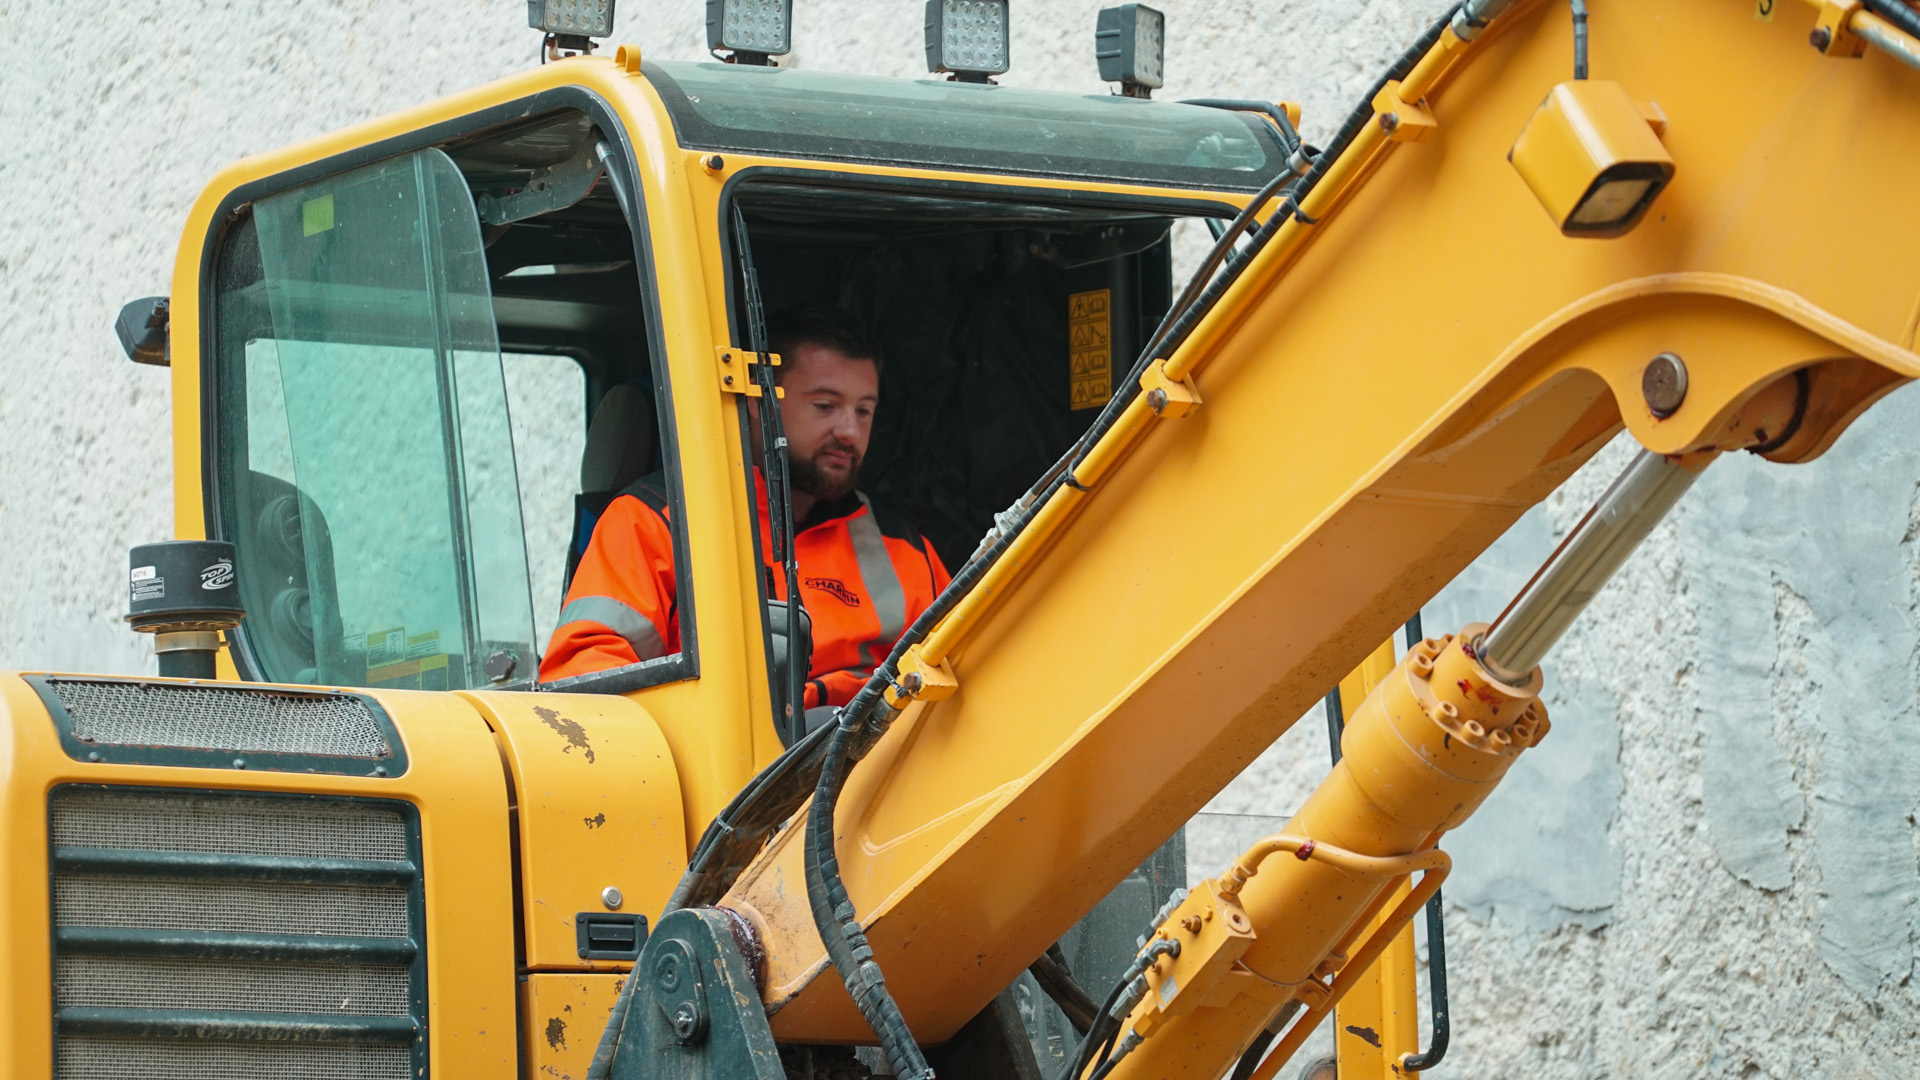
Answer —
571 18
1592 158
753 29
1130 42
967 38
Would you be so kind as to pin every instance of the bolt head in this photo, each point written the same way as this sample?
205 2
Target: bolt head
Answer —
1156 399
611 897
1820 38
685 1020
1664 385
1389 122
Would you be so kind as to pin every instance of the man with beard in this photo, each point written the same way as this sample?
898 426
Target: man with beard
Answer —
864 574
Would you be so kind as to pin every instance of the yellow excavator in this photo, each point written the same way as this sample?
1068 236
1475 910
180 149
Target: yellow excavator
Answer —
346 833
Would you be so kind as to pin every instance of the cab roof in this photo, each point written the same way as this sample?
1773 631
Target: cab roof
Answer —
974 127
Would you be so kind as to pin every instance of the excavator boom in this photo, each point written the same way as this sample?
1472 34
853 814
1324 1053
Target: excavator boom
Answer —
1415 355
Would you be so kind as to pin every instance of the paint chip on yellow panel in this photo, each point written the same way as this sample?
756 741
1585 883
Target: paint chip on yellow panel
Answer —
1090 348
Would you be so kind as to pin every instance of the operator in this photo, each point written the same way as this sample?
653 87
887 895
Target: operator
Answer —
864 574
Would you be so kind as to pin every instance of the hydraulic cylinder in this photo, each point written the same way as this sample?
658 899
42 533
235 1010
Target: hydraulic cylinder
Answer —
1274 942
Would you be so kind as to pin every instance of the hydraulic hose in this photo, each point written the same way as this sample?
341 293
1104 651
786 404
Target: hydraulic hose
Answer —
1904 18
1181 321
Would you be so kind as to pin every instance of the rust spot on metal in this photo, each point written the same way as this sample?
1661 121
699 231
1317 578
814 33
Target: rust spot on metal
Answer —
595 821
747 940
569 730
1367 1035
1305 852
557 1034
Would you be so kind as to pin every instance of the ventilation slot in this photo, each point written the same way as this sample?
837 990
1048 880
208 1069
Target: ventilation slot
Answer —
212 935
158 723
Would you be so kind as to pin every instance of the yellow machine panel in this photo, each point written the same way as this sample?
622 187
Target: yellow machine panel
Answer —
234 858
598 814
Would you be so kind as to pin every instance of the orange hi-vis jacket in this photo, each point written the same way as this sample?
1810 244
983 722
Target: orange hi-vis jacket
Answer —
864 578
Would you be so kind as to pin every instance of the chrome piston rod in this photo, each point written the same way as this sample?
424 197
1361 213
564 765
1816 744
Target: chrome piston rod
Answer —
1582 564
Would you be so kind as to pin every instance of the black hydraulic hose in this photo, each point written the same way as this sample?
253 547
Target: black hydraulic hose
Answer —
839 924
1290 137
1256 1050
773 445
1904 18
856 729
1104 1030
1182 320
1054 977
1436 990
1579 39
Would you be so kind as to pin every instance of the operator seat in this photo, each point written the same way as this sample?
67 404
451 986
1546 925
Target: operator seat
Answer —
622 445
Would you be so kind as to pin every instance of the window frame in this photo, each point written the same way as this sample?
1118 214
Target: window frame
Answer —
236 205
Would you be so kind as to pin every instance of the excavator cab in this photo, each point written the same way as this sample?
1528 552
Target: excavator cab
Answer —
405 499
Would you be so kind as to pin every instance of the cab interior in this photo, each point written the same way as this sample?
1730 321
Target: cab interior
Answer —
1006 315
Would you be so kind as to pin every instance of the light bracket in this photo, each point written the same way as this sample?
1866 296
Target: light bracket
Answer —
967 38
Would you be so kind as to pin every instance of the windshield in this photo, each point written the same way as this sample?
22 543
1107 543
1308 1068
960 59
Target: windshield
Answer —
976 127
370 488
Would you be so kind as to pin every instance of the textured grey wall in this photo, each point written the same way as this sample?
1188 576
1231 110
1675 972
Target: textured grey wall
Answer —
1710 869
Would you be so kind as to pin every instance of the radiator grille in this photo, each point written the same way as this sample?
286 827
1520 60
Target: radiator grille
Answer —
118 982
207 935
258 907
222 824
230 721
139 1059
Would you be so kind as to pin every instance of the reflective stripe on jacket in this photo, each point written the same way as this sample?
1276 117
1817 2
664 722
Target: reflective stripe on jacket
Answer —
864 577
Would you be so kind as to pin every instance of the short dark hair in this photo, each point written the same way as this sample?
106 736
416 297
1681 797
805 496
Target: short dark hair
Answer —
828 327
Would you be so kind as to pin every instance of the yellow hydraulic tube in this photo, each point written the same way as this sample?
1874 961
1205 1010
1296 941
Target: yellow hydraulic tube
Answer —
1420 754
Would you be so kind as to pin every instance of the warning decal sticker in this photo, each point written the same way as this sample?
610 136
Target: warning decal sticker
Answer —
1090 348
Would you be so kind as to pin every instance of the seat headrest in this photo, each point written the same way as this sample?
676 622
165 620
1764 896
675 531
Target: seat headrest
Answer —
620 440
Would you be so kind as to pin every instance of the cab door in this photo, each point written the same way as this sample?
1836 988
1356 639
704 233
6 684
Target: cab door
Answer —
366 464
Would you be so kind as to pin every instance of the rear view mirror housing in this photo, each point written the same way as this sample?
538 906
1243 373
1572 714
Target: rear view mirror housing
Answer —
142 327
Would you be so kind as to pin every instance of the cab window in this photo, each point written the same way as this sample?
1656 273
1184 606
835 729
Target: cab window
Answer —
407 357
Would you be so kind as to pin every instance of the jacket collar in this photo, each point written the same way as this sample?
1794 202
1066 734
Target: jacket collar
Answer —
825 512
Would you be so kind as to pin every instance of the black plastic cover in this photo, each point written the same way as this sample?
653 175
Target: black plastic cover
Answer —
178 585
142 327
609 935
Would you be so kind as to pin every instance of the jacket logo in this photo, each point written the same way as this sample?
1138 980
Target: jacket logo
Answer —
217 576
835 588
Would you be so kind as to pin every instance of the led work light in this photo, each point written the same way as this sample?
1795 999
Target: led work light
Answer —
753 29
1130 42
571 18
967 38
1592 159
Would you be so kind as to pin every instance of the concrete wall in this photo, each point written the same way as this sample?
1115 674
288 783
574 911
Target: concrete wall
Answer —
1709 870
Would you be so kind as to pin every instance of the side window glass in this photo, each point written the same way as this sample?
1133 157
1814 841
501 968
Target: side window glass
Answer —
372 490
547 398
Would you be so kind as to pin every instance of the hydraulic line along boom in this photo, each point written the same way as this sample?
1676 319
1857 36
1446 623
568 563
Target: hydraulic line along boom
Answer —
1276 936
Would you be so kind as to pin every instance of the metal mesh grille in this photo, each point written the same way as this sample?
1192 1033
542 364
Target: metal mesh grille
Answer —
136 1059
238 826
117 982
201 718
235 907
